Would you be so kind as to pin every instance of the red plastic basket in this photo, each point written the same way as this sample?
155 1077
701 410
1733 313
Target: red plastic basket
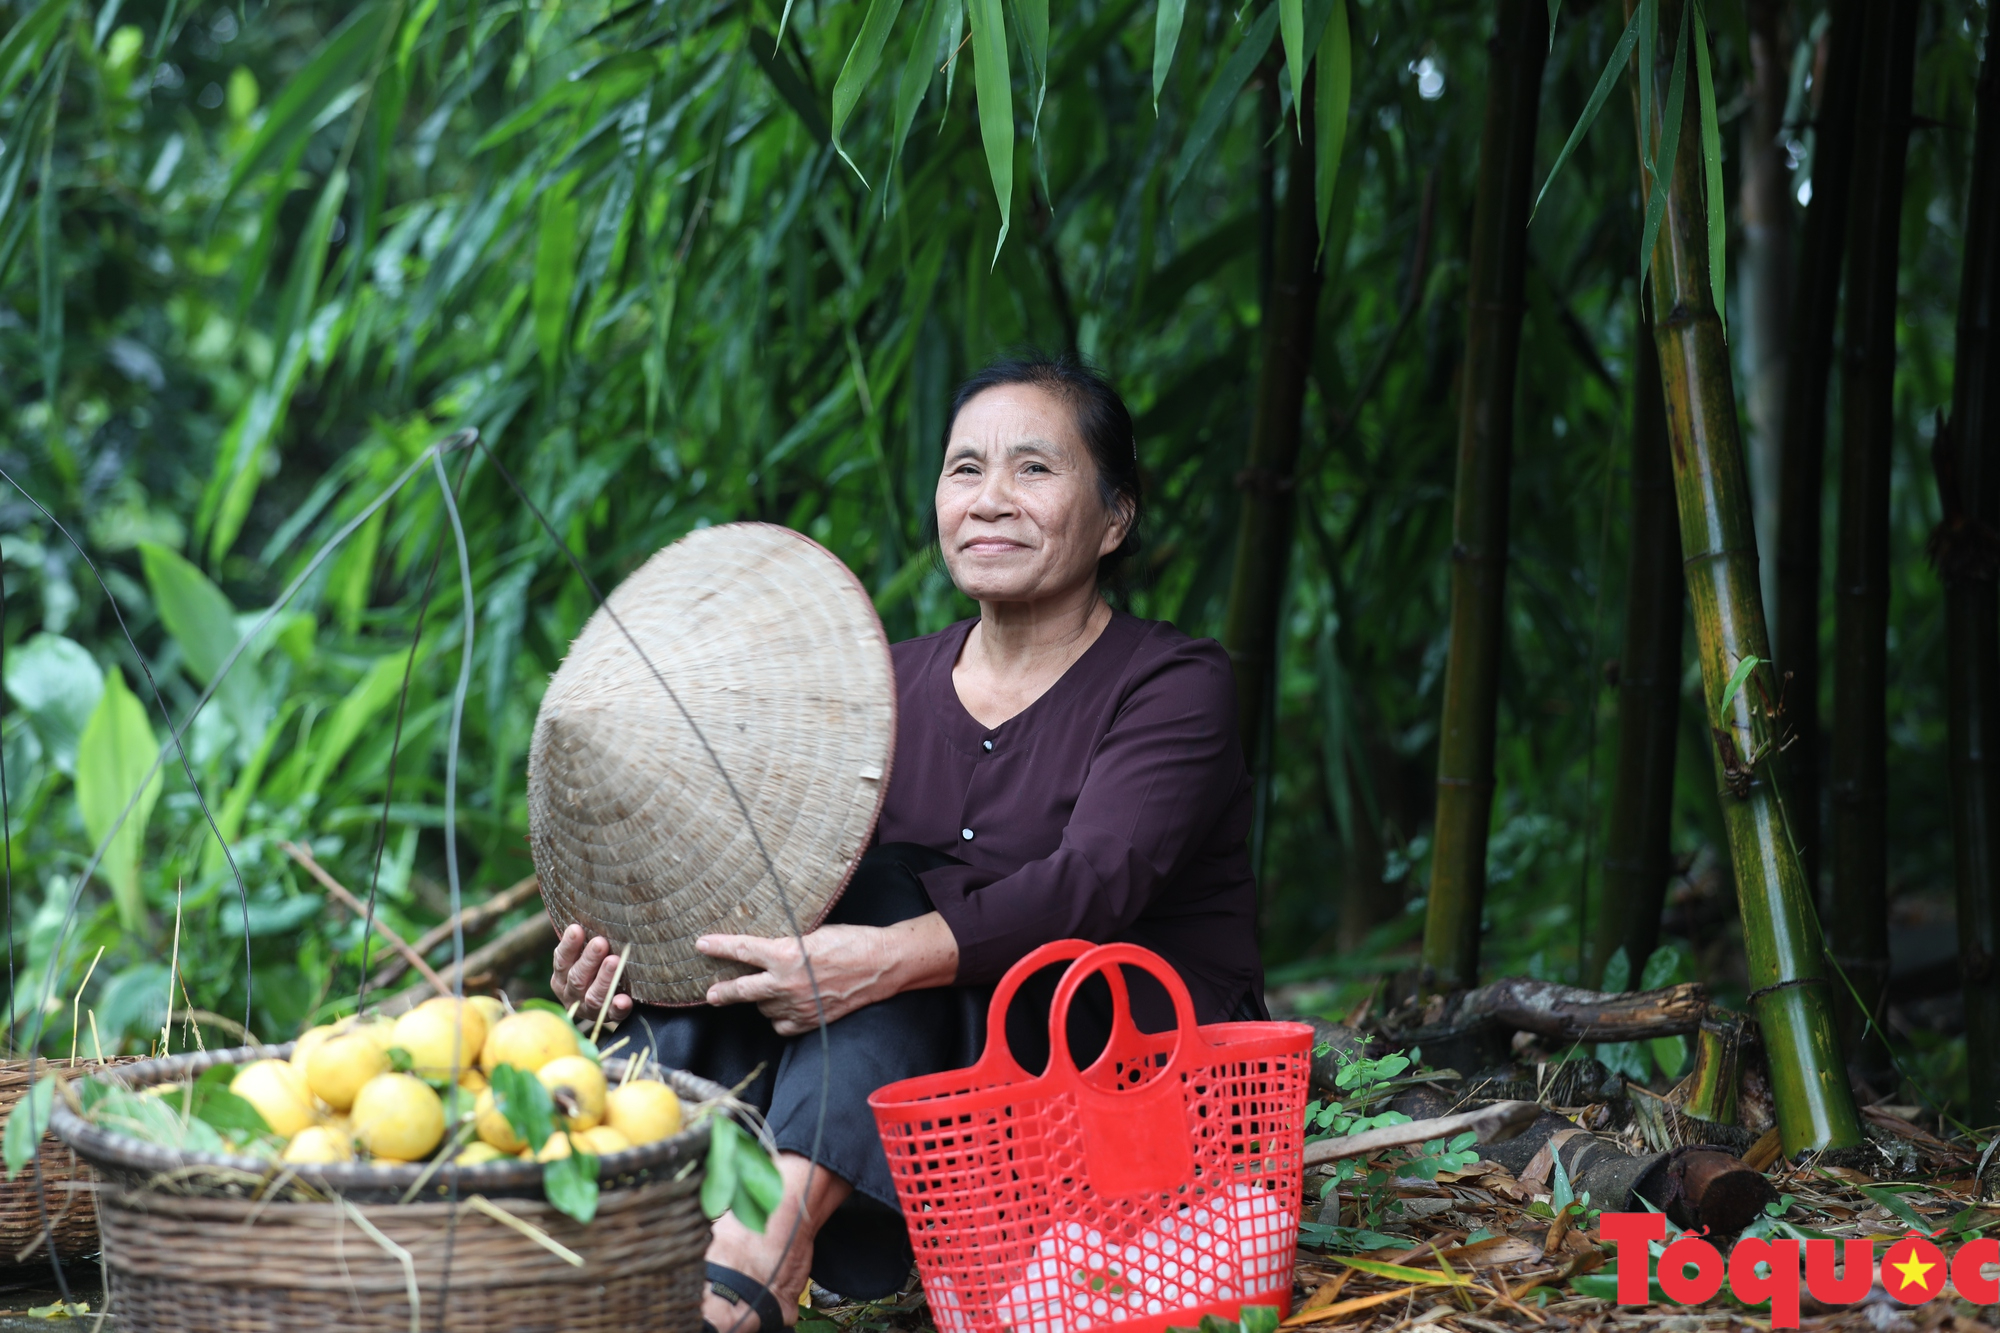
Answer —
1159 1185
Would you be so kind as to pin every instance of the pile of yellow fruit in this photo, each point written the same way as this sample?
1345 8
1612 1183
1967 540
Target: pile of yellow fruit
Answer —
340 1099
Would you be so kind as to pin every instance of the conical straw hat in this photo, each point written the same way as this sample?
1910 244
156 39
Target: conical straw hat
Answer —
736 689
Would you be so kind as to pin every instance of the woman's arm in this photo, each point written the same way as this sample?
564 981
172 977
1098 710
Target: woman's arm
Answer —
851 966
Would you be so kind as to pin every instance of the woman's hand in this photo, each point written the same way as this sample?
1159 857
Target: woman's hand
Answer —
852 966
583 973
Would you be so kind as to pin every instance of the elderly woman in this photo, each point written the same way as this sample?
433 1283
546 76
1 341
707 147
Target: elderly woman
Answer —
1062 770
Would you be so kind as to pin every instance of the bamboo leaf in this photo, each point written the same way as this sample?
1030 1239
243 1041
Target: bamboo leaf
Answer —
859 69
1033 16
113 762
1648 16
1221 95
1401 1272
915 80
48 262
1670 145
1736 681
993 89
27 42
1166 36
1331 95
954 27
307 95
1711 156
1621 54
797 93
1292 32
555 272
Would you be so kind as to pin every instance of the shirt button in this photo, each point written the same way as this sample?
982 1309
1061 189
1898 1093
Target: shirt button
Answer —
966 834
986 745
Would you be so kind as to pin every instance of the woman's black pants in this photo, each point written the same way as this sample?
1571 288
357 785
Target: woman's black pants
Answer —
814 1093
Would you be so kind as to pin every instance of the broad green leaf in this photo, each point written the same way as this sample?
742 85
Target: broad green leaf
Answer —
1670 144
1668 964
859 69
915 80
26 1124
570 1184
299 108
555 272
114 768
758 1185
525 1102
1617 972
1737 679
1621 55
193 609
718 1183
212 1101
1221 95
993 90
1711 157
1670 1054
1331 96
1166 36
1561 1193
1292 33
1259 1318
57 683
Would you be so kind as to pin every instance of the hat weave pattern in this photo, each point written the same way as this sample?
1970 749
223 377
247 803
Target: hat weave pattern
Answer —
775 652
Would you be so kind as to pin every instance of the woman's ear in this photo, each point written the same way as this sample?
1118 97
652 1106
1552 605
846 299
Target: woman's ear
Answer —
1119 528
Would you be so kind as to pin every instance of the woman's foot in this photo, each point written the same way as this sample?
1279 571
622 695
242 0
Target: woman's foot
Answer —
779 1260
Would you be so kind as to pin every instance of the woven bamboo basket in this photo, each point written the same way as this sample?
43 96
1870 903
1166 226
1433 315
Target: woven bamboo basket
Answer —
50 1183
224 1244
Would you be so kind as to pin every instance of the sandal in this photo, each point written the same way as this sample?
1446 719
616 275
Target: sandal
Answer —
745 1290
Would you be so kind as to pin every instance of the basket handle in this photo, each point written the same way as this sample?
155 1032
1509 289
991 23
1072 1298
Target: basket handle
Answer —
1106 958
999 1057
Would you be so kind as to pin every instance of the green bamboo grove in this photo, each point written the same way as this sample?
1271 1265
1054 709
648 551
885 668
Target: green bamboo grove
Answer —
1591 485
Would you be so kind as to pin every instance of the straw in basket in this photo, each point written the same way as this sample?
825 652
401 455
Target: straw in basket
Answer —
1157 1186
224 1244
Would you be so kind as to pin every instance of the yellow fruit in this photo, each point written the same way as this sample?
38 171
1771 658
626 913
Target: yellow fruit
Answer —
604 1139
309 1039
397 1116
528 1040
556 1147
339 1066
375 1027
575 1081
644 1111
493 1127
279 1094
319 1143
489 1008
441 1036
473 1081
478 1154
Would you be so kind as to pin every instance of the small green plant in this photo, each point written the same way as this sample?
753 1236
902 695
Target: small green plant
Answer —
1364 1083
1255 1319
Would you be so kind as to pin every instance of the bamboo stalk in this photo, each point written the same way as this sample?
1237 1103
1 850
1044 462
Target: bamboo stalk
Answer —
1790 992
1265 513
1858 760
1457 892
1808 372
1638 851
1966 549
1766 285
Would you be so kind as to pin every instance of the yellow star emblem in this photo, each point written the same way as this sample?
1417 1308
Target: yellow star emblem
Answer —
1913 1269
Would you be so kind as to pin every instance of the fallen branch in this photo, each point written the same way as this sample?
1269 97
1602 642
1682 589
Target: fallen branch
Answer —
353 904
1567 1013
1492 1124
489 965
472 920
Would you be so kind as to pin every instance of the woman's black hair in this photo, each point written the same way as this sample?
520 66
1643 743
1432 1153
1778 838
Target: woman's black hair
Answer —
1102 419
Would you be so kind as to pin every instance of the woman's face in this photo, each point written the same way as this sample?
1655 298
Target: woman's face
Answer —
1018 511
